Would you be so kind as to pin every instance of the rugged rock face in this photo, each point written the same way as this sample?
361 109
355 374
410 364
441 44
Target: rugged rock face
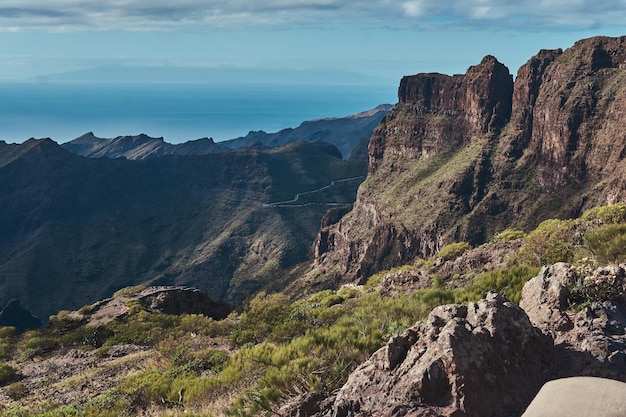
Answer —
444 112
182 300
456 363
591 342
490 358
166 299
463 157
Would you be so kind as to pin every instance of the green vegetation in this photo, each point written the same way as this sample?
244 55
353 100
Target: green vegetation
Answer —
508 282
508 235
7 373
129 291
611 214
552 241
248 363
16 391
453 250
607 243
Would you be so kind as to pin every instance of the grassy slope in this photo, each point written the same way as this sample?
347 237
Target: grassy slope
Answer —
249 363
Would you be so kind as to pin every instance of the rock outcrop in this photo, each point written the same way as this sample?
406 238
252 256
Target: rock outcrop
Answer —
592 341
456 363
462 157
166 299
490 358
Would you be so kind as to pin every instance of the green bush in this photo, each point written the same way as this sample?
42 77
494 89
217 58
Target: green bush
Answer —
453 250
551 242
611 214
36 343
508 282
16 391
376 279
508 235
7 342
7 373
608 243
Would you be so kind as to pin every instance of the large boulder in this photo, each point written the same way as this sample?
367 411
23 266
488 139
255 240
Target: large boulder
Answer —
579 397
591 341
484 359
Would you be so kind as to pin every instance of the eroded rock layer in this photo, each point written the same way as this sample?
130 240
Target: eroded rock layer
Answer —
462 157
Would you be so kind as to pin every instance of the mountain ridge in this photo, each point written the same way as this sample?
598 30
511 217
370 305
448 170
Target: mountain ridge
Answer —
76 229
471 155
346 133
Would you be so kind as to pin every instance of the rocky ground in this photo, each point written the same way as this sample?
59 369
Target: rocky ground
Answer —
491 358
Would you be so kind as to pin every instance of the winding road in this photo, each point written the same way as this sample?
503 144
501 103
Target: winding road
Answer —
289 203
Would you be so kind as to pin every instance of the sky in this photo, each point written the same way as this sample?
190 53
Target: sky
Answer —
382 38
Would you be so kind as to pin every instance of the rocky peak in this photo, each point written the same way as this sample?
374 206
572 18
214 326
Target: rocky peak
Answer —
559 99
463 157
443 112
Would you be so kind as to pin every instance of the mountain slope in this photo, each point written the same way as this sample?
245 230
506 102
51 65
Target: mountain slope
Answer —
136 147
346 133
461 158
343 132
75 229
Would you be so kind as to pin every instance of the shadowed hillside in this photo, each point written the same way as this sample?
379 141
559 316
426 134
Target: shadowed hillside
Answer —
75 229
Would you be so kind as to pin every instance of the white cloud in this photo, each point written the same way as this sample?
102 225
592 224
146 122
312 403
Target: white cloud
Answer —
163 14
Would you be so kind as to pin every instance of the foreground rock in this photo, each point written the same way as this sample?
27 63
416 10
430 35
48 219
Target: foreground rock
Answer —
591 342
456 363
490 358
579 397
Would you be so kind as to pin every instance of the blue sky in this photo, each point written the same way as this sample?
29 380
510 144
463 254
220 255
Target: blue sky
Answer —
385 38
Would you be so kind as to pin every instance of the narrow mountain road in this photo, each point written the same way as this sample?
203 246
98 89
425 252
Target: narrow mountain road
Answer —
290 203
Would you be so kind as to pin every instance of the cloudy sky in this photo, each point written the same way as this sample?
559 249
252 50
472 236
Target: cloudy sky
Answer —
385 38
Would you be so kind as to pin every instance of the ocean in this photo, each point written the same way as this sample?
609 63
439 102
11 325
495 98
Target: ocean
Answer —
176 112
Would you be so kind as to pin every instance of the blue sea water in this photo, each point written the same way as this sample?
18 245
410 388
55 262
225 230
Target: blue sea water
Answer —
176 112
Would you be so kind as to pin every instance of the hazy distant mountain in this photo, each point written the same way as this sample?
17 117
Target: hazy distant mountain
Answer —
345 133
146 74
137 147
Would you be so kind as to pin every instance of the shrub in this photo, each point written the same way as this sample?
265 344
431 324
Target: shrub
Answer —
7 373
7 343
508 235
611 214
551 242
608 243
16 391
508 282
453 250
129 291
591 285
376 279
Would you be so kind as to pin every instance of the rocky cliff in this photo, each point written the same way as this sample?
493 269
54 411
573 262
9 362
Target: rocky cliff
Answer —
462 157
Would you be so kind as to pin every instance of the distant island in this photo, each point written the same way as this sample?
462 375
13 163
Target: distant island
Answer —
216 75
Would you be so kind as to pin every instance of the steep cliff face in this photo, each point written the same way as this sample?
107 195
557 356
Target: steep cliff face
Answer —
463 157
